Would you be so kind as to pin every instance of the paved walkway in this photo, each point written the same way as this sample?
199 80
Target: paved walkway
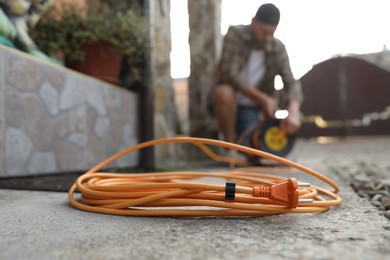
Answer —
41 225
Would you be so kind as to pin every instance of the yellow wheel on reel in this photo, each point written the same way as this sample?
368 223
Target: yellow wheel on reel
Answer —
274 139
269 138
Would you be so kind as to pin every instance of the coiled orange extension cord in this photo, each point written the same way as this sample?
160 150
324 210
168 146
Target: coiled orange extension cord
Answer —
247 193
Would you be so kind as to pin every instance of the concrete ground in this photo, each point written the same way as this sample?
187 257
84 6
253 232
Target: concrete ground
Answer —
42 225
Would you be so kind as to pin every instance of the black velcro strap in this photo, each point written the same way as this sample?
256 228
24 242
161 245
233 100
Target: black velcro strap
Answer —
230 191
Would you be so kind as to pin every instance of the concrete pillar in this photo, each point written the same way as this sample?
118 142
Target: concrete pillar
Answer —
158 101
164 100
205 43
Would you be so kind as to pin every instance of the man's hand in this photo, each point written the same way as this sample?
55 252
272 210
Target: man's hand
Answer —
292 123
267 104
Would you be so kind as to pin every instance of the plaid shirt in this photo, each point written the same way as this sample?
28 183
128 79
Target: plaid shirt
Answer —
235 54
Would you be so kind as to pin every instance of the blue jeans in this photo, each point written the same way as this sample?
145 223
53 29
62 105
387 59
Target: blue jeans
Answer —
246 117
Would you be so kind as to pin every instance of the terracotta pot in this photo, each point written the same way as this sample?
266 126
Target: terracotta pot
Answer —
101 61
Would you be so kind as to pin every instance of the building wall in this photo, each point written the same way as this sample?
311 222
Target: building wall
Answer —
56 120
351 94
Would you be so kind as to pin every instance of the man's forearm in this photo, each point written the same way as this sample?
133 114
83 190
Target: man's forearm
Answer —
254 94
294 106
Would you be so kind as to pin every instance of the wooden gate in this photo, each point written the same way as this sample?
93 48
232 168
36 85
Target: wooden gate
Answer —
347 96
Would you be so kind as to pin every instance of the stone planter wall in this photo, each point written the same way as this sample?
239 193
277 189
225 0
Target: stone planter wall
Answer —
56 120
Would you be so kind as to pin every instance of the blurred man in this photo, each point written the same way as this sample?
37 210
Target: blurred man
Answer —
251 58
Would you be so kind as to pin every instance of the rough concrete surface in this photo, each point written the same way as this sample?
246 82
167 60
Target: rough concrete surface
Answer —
41 225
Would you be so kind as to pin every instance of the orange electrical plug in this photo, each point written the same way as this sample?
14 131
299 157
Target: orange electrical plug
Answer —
284 192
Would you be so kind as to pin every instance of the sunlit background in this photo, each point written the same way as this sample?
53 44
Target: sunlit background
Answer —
312 30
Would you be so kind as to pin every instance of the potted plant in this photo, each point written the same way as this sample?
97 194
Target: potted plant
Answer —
81 34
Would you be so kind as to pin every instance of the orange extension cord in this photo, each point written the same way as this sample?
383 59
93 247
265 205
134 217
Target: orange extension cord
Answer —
246 193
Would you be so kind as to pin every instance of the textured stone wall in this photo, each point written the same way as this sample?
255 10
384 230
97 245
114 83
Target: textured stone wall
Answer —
205 44
56 120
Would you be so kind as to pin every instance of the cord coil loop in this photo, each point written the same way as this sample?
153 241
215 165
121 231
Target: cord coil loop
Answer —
183 193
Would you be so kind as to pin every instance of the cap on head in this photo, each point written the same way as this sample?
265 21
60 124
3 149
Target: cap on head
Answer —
268 13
